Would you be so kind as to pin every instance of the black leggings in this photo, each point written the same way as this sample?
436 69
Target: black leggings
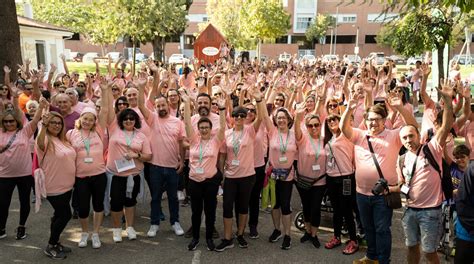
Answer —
342 204
62 215
183 181
311 200
464 252
237 190
91 186
118 193
7 185
203 195
254 204
283 191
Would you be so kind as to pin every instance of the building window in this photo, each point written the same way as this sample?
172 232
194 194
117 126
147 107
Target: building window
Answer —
283 40
308 5
370 39
204 19
345 18
380 18
302 23
340 39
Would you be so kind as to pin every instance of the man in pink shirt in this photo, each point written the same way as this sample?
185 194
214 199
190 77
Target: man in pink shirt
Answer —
77 106
421 183
375 215
167 161
203 101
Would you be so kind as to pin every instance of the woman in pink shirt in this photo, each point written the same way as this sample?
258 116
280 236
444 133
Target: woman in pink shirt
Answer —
57 158
204 179
310 179
187 80
239 172
87 140
282 154
15 165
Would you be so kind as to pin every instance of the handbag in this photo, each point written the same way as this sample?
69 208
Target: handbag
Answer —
280 174
392 200
306 183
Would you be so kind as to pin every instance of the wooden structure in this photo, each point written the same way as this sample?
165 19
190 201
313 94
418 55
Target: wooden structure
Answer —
207 44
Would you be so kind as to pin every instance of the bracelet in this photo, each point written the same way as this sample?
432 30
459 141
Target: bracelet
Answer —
222 109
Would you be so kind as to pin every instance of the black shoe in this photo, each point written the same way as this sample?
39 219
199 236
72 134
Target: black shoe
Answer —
253 232
210 244
286 243
305 237
242 242
225 244
276 235
189 233
64 248
185 202
20 233
316 243
3 234
75 214
215 234
54 252
193 245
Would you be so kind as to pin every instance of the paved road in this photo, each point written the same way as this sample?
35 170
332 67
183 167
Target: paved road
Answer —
168 248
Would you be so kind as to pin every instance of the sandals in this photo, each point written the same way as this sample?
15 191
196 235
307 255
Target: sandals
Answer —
351 248
334 242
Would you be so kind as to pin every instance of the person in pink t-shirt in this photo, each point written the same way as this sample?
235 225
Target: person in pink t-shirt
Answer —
375 215
310 179
204 179
421 183
57 158
239 172
282 154
87 140
15 164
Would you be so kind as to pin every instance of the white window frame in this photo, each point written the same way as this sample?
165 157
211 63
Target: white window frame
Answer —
345 18
378 18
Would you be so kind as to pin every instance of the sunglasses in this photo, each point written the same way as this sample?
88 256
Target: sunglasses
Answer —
204 128
251 110
333 106
217 94
213 103
122 104
313 125
81 86
129 118
239 115
4 89
29 89
397 91
56 85
9 121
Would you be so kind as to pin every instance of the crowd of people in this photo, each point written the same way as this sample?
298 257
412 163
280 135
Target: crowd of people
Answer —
332 128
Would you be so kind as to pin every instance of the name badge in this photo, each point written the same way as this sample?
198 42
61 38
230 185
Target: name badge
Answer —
283 159
235 162
124 165
88 160
405 189
316 167
199 170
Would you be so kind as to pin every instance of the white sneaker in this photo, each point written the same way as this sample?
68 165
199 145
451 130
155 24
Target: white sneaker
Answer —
117 234
178 230
220 192
181 196
84 238
131 233
153 230
96 241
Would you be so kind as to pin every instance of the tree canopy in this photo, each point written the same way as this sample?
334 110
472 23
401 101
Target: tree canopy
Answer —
318 28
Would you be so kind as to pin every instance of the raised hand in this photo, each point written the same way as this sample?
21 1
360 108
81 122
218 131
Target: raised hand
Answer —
6 69
221 102
184 96
62 57
52 67
394 101
425 69
301 109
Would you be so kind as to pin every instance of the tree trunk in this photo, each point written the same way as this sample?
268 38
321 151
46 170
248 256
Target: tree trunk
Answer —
158 48
10 52
440 65
134 52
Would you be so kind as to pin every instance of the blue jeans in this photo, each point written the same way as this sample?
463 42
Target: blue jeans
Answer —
376 218
162 178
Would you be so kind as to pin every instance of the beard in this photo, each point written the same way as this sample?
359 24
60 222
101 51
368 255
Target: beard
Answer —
203 111
162 113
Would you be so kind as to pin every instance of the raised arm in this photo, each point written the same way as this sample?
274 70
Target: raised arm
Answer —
448 117
221 103
106 105
187 115
63 59
300 112
425 69
345 124
141 98
6 76
396 102
466 109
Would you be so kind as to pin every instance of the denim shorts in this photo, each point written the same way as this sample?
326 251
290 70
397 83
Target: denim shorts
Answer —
422 225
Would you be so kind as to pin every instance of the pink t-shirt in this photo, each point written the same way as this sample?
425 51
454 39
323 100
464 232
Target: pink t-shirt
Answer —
118 147
167 132
214 120
359 113
92 163
428 118
261 145
81 105
278 159
425 186
340 162
386 146
59 165
189 82
16 160
399 122
242 163
145 127
308 164
200 171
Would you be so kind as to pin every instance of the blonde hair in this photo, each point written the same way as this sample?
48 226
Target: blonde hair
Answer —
15 114
78 124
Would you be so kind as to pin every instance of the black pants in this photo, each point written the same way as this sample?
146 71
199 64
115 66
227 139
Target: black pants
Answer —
342 205
254 204
118 193
203 196
7 185
88 187
183 181
464 252
62 215
283 190
311 200
237 191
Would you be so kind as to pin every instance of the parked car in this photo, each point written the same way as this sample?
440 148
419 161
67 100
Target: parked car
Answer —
330 57
178 59
354 59
76 56
379 57
284 57
114 55
398 59
463 59
309 59
139 57
89 57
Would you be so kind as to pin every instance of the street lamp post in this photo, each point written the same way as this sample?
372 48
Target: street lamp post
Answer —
356 48
330 47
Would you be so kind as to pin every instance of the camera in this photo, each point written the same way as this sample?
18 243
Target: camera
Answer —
380 186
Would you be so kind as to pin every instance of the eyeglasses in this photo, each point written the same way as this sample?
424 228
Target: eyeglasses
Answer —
122 104
239 115
4 89
55 123
29 89
333 106
397 91
313 125
251 110
8 121
217 94
129 118
204 128
56 85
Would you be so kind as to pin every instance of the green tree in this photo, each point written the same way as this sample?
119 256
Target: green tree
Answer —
465 6
319 27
